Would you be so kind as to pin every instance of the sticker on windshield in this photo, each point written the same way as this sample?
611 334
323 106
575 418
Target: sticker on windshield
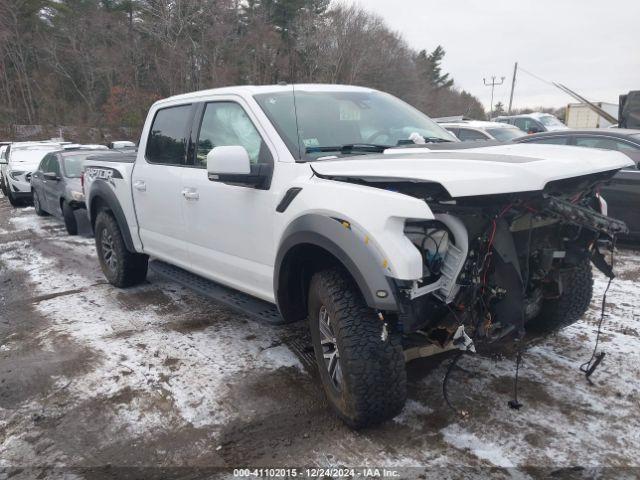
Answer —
349 112
310 142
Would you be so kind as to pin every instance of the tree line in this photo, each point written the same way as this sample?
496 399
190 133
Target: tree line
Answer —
103 62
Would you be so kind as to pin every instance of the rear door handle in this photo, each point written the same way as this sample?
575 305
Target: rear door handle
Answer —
190 194
140 185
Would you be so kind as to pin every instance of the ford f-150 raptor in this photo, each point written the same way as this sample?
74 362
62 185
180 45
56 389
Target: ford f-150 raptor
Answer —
333 204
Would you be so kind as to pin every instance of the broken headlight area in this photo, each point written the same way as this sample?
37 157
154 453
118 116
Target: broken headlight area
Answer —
491 264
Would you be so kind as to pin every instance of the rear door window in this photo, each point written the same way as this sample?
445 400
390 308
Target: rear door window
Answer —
167 142
523 124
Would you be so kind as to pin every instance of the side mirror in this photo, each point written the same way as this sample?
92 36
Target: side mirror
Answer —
230 160
51 176
232 165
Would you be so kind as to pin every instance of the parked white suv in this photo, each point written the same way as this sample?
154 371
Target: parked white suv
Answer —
477 130
326 203
20 160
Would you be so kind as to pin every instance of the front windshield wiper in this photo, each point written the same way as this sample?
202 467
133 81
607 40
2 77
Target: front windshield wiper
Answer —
426 139
370 147
349 148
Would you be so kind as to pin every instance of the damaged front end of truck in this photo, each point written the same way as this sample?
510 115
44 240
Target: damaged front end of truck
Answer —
498 266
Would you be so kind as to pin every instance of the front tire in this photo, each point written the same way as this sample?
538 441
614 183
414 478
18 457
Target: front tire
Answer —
121 267
363 376
577 290
70 222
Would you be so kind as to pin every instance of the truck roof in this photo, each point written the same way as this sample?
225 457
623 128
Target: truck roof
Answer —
257 89
120 156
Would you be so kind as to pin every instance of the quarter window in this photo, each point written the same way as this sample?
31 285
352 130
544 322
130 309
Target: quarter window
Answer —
168 136
227 124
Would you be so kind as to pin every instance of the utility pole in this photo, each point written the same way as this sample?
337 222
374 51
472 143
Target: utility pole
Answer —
492 84
513 86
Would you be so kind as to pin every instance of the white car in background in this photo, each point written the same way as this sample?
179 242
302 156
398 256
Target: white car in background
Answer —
18 163
472 130
122 145
535 122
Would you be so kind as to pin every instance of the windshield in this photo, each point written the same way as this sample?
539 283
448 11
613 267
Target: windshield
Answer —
327 121
73 165
505 134
550 121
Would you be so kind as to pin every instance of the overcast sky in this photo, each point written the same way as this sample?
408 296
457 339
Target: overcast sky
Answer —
591 46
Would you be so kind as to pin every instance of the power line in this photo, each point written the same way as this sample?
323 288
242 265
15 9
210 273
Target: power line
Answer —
537 77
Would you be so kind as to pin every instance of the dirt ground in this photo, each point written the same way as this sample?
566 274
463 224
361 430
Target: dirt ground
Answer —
157 382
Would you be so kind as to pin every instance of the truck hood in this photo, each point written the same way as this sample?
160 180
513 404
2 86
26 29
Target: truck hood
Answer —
477 171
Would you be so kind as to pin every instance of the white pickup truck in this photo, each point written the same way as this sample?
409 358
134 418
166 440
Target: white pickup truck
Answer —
347 207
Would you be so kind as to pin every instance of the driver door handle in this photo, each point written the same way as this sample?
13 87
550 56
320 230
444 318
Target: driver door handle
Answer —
190 194
140 185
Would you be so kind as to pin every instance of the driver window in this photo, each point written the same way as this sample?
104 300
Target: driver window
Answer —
227 124
44 164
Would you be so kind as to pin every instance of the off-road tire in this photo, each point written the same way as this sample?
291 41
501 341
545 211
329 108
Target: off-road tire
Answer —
70 222
374 381
577 290
129 268
37 205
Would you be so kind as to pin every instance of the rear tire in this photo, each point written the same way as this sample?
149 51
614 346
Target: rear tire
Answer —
577 290
368 383
70 221
37 205
121 267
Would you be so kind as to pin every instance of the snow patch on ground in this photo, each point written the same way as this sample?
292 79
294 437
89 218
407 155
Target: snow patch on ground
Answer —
410 415
147 350
280 356
464 440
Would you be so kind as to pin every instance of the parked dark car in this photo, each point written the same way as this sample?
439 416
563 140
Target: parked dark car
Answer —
623 192
57 187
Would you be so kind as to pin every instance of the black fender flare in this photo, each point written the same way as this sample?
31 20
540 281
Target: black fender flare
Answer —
100 190
340 241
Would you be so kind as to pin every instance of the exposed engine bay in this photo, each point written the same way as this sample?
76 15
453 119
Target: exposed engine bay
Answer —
491 263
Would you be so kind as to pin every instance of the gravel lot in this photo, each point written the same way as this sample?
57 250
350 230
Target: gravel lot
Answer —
93 378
